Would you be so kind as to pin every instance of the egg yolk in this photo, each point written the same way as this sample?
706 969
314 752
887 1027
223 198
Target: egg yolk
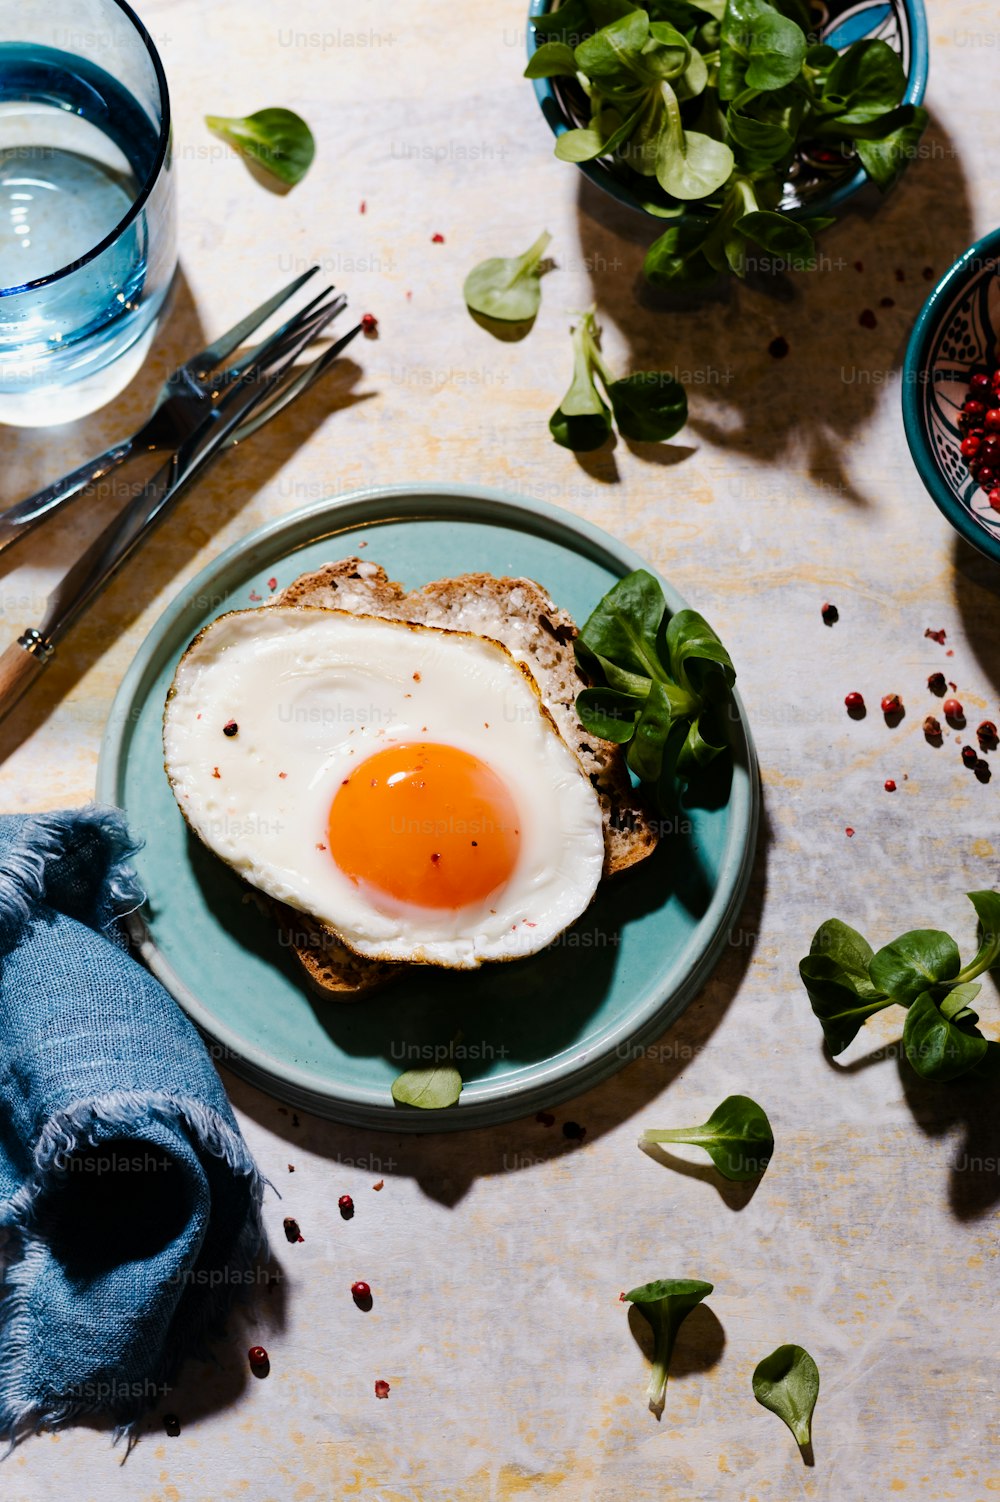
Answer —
427 824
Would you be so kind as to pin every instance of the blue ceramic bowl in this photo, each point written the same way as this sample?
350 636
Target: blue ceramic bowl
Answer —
956 334
812 189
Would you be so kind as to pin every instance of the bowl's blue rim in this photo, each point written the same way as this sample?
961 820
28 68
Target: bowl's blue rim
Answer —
915 88
914 362
152 176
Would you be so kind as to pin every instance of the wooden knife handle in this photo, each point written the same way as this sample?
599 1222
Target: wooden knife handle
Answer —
18 670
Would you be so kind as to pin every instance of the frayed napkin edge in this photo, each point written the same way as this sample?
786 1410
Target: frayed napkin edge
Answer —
45 837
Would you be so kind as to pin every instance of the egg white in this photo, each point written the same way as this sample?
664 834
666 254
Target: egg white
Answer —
313 693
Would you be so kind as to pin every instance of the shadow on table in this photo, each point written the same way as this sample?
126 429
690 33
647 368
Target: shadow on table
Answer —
236 476
810 404
447 1164
602 466
977 594
973 1106
737 1195
938 1109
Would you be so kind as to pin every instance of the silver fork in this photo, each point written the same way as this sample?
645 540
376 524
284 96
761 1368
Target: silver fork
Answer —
264 380
182 402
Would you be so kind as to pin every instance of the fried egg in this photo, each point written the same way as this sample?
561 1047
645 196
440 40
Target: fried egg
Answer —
402 784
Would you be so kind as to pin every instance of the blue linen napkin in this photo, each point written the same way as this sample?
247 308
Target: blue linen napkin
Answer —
129 1199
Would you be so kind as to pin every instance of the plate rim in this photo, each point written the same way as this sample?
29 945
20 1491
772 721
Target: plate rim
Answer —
551 1081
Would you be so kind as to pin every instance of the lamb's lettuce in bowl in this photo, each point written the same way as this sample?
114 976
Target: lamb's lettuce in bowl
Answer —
735 122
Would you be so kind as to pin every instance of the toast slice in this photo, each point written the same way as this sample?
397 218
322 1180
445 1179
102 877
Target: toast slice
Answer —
519 614
330 968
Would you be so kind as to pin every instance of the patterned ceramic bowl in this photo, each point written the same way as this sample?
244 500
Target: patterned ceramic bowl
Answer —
956 334
813 187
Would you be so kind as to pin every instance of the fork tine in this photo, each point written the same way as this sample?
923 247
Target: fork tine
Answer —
239 400
287 391
285 334
211 356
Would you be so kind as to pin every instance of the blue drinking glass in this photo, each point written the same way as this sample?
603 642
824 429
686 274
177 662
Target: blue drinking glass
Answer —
87 217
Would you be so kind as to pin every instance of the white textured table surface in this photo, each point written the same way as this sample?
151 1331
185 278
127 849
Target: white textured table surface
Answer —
496 1257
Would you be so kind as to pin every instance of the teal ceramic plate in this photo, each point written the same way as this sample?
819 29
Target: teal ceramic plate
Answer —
533 1032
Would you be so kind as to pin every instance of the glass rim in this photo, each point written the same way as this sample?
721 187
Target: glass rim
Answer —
142 197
